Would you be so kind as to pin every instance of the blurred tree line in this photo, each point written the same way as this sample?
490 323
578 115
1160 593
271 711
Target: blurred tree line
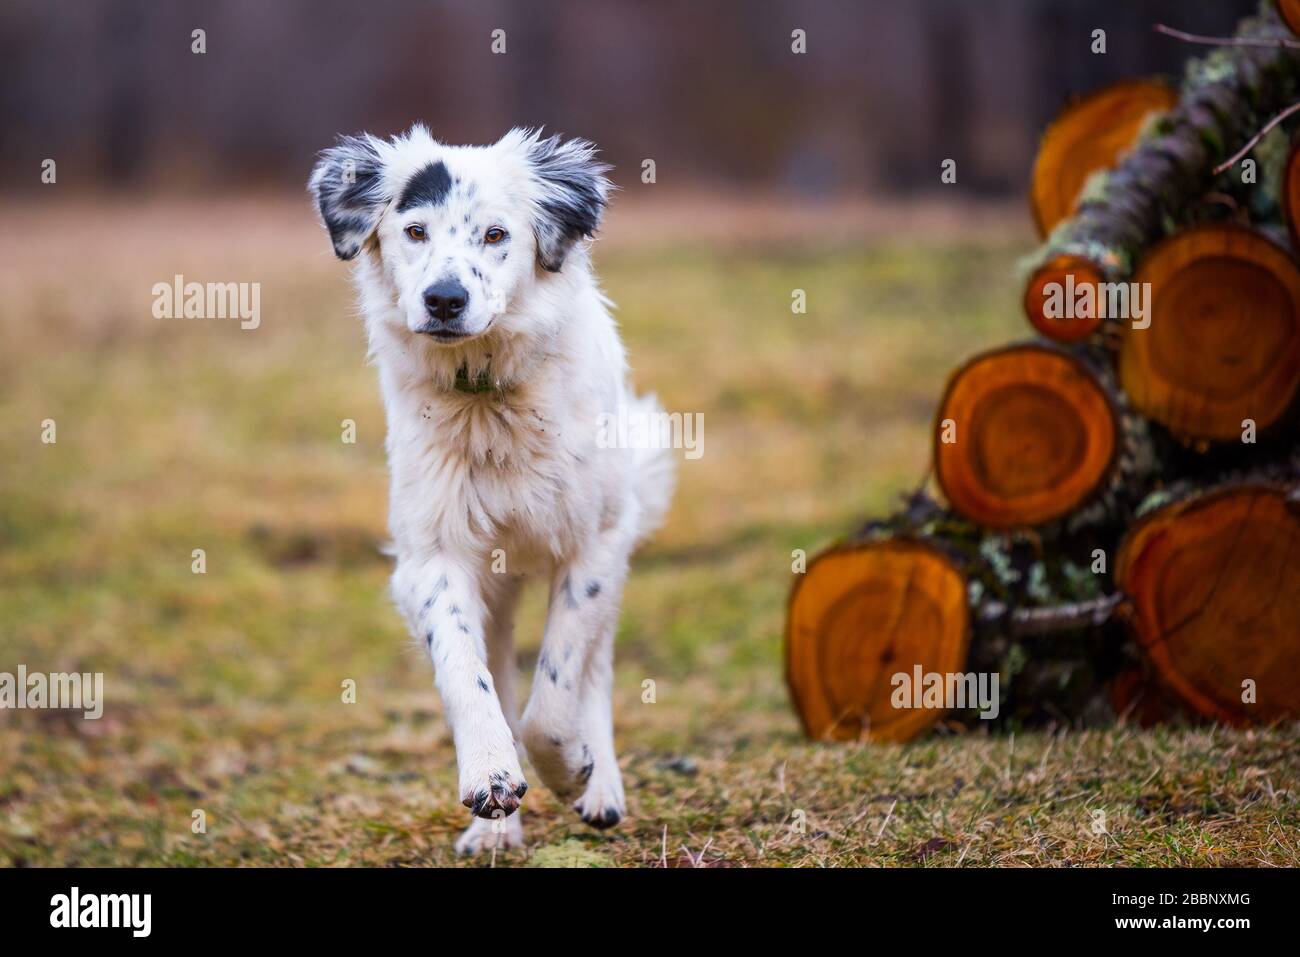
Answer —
708 88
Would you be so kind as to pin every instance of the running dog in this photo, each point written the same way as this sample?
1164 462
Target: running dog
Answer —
498 359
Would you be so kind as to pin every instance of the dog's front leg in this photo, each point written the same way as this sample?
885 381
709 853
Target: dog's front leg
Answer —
444 607
566 728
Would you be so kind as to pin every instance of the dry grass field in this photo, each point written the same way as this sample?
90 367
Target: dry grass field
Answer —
223 689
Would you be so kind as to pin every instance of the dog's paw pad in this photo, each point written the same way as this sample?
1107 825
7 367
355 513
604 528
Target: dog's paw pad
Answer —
498 798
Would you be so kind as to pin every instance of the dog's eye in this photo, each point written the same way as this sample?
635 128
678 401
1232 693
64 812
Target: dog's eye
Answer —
494 235
416 231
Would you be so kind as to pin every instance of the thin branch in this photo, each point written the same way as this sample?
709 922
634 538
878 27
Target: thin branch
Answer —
1039 621
1250 143
1226 41
1023 622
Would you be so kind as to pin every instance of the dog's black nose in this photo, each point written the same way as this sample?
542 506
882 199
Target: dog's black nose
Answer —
445 299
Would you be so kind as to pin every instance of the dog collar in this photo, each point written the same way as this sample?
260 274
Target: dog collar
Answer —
478 384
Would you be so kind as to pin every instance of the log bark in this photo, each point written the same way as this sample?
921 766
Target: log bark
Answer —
1223 344
1025 435
1090 134
1214 584
1290 190
1226 98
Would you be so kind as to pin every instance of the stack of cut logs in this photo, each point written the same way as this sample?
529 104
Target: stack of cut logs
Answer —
1118 529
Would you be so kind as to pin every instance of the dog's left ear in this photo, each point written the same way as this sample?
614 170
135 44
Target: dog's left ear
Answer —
572 196
348 185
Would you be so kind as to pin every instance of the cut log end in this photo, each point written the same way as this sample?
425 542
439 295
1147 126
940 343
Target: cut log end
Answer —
1215 589
1290 13
1050 283
1223 341
1090 135
858 616
1025 435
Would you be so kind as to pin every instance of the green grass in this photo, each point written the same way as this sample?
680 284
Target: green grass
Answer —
224 689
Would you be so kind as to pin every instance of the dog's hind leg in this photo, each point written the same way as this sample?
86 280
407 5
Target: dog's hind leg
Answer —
602 803
564 737
444 607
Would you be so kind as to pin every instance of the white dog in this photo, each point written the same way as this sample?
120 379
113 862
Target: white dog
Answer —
497 359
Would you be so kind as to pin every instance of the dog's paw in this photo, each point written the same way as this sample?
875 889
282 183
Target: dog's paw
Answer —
602 804
564 762
485 835
563 769
495 795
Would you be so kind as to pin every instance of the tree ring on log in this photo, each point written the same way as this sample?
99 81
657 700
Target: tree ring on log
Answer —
1089 135
1223 343
861 614
1068 272
1214 583
1036 434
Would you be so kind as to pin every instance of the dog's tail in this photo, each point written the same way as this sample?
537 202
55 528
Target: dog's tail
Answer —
654 472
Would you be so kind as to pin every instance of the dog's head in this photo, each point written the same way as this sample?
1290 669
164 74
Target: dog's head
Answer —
459 232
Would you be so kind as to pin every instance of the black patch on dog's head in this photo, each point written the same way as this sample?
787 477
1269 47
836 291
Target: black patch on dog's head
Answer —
428 187
573 195
348 185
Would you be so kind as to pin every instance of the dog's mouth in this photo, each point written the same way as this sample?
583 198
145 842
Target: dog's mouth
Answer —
445 335
448 336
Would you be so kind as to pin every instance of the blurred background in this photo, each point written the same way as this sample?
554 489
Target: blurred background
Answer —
776 172
709 89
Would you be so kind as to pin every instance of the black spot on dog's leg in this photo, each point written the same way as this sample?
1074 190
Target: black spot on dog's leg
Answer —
483 684
593 588
588 766
439 587
548 669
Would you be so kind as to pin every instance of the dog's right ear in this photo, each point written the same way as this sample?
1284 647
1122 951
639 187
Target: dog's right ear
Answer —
349 189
